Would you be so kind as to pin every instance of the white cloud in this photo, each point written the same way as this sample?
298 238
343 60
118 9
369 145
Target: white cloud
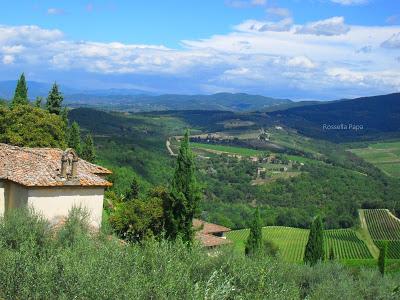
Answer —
350 2
55 11
279 11
280 63
301 61
331 26
8 59
393 42
262 26
245 3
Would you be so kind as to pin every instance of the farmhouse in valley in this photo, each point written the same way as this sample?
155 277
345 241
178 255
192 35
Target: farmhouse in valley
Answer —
51 181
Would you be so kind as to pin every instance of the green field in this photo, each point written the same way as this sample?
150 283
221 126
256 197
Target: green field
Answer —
228 149
292 242
385 156
384 227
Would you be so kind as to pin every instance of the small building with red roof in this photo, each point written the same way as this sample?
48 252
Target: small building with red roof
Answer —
51 181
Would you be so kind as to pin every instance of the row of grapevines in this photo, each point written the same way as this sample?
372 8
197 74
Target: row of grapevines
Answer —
381 225
345 244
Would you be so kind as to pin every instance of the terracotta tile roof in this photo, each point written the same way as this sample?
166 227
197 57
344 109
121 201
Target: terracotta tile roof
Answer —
205 232
41 167
209 240
206 227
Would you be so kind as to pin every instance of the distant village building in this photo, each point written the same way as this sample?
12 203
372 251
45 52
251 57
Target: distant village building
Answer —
254 159
51 181
210 235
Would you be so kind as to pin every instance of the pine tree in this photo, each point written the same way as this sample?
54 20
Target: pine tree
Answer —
21 93
382 258
38 102
87 152
315 246
181 206
74 138
54 100
254 240
133 192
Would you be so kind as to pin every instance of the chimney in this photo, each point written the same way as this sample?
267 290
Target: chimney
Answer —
66 160
74 166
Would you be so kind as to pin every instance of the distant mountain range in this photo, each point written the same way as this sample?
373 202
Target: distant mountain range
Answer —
136 103
138 100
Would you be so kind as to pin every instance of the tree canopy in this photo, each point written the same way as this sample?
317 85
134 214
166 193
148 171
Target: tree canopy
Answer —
29 126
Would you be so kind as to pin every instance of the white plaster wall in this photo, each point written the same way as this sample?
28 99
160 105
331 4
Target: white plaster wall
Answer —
2 200
16 195
54 203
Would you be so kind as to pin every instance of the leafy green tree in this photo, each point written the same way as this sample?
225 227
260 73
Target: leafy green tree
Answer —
181 207
88 152
74 137
30 126
315 246
382 258
54 100
254 240
21 93
138 219
133 192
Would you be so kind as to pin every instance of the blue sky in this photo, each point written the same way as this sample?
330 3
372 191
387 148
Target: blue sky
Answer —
308 49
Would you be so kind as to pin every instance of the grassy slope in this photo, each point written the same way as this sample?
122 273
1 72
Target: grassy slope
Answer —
385 155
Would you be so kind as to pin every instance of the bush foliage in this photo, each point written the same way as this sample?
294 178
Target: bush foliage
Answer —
34 264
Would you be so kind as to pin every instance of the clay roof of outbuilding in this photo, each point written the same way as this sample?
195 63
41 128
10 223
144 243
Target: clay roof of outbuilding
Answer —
40 167
206 227
209 240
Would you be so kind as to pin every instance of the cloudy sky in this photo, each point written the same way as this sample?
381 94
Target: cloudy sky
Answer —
308 49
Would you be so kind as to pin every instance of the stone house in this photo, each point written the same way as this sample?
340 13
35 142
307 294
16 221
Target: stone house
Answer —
51 181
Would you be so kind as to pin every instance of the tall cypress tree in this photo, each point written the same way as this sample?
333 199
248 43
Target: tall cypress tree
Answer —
21 93
382 258
54 100
74 138
315 246
254 240
88 152
181 206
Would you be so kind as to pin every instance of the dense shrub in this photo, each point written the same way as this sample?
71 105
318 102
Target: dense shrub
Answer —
36 265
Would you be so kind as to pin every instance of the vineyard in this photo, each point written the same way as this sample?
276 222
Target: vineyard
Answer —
292 242
383 226
345 244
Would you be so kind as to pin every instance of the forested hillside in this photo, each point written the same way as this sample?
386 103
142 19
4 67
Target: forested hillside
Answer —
376 117
332 182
